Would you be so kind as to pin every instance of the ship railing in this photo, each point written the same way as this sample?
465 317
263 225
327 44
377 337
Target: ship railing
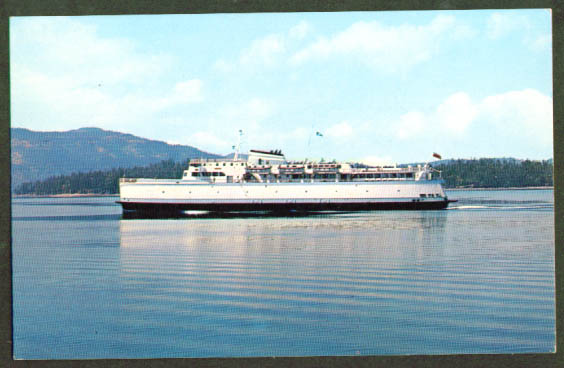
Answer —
201 160
127 180
259 167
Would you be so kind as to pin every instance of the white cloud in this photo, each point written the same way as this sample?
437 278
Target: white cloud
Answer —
208 141
502 24
410 125
248 116
380 46
182 93
341 130
79 77
462 32
527 113
456 113
540 43
223 66
300 30
264 51
267 51
376 160
299 133
188 91
66 47
254 110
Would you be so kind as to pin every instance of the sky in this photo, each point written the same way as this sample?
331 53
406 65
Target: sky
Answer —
379 87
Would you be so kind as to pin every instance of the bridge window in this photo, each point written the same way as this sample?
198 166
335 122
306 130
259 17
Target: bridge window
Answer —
423 195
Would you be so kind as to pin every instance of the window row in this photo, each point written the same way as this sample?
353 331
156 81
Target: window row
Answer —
206 173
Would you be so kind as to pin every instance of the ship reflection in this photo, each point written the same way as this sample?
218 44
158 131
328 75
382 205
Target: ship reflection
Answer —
379 236
133 215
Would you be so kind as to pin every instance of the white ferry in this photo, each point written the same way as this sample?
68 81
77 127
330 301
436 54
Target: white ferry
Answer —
265 181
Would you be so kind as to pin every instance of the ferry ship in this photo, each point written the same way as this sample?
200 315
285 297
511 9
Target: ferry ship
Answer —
266 181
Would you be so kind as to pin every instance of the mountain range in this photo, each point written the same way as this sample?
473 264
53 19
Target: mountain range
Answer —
39 155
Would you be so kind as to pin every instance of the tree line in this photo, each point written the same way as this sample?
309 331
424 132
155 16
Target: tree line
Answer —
475 173
496 173
100 182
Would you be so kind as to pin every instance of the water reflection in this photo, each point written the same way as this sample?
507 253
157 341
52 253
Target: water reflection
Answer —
342 237
270 266
133 215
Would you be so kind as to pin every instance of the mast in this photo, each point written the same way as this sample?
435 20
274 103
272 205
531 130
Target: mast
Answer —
238 145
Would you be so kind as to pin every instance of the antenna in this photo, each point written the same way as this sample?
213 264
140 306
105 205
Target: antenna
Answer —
238 145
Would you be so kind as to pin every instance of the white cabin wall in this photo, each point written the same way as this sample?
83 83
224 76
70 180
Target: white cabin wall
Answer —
186 191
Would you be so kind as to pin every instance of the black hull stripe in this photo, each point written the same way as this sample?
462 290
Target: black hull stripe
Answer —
167 208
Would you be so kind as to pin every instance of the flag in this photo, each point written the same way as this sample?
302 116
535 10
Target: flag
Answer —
436 155
318 134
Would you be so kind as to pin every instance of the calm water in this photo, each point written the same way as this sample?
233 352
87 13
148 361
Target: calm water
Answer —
477 278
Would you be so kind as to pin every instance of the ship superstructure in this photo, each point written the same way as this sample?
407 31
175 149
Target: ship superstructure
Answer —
266 181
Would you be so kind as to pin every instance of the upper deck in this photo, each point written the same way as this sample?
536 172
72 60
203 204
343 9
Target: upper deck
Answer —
272 167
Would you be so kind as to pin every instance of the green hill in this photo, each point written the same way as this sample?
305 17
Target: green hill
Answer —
496 173
40 155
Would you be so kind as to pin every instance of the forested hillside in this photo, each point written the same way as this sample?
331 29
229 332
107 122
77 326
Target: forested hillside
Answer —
40 155
496 173
481 173
100 182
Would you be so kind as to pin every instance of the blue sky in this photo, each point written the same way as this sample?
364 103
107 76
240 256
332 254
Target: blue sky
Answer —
380 86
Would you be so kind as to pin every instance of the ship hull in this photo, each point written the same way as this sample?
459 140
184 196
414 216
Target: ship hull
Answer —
169 197
170 208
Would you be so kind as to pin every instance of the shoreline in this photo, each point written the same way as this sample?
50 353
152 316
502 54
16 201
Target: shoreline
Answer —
79 195
66 195
502 188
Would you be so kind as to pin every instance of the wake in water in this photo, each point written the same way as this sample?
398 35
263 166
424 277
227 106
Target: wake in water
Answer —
546 206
